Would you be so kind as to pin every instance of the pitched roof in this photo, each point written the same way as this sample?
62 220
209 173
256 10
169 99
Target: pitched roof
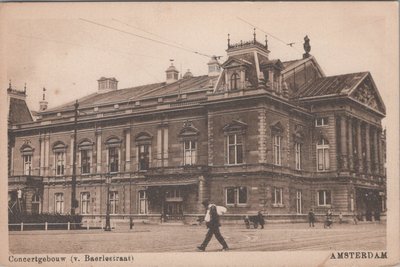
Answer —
332 85
114 96
139 92
19 111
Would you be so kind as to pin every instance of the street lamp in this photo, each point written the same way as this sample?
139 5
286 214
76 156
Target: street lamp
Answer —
108 182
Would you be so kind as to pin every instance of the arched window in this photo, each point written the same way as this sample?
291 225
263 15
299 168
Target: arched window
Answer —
27 156
85 153
143 143
322 154
234 83
234 140
277 133
59 149
188 136
113 145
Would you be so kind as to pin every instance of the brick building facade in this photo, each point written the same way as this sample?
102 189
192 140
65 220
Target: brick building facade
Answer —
254 134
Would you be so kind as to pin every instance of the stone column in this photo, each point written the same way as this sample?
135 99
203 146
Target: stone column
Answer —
127 149
380 151
201 192
350 139
98 150
376 150
41 140
368 148
343 143
47 155
71 154
359 148
165 147
262 136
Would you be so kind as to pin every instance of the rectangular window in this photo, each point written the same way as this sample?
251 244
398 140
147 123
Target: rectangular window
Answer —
60 163
59 203
236 195
277 149
143 202
144 157
85 203
85 161
235 149
324 197
189 152
323 158
322 121
114 202
297 148
278 196
113 159
27 164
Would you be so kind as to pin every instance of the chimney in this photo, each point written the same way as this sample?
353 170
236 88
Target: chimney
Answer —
172 73
107 84
214 68
43 103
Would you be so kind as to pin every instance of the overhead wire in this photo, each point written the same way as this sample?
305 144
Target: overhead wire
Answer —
145 38
269 34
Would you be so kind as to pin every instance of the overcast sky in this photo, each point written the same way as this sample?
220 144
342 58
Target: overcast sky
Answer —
64 48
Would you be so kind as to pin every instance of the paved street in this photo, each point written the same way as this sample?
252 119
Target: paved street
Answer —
174 238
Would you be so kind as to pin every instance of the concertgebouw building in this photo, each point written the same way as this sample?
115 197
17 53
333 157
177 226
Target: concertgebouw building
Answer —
253 134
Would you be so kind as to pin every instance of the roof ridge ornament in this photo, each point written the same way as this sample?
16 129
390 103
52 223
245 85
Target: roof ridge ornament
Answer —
307 47
254 34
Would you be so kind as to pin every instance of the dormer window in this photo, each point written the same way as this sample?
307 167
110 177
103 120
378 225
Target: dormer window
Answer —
234 82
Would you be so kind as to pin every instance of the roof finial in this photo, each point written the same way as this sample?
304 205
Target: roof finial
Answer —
266 42
9 85
25 89
229 40
254 34
307 47
44 94
172 61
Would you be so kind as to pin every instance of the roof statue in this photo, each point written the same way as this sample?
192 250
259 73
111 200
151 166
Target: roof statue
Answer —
307 47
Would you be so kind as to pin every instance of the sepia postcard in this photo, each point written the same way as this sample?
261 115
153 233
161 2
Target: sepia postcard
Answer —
199 134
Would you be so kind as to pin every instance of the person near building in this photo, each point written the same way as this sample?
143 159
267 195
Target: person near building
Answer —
340 218
213 223
261 220
328 221
311 218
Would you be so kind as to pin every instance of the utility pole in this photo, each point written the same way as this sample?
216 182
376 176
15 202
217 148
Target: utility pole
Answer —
73 182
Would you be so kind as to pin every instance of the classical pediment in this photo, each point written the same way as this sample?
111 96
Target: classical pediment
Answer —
235 126
367 94
188 130
235 62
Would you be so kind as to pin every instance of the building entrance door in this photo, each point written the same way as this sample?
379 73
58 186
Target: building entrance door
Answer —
174 211
173 208
368 204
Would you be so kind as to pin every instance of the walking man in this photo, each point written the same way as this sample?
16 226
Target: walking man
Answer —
212 221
